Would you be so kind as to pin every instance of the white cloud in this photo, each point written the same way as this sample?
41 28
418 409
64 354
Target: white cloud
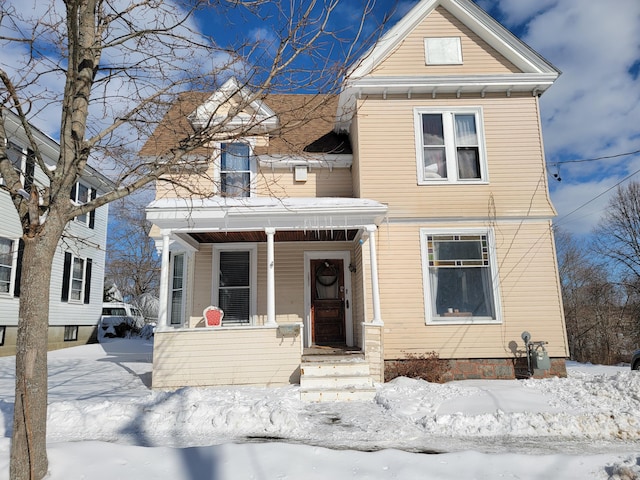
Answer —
593 110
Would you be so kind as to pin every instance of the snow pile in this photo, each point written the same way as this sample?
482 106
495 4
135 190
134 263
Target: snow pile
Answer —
588 423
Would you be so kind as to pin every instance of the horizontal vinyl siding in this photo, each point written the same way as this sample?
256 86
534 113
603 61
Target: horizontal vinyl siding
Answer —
321 182
517 177
477 56
242 356
82 242
530 295
187 184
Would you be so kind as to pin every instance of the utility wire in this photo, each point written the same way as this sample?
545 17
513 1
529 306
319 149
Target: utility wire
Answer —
561 219
560 162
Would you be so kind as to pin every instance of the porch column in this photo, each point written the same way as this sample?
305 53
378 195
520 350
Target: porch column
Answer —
375 289
271 278
164 282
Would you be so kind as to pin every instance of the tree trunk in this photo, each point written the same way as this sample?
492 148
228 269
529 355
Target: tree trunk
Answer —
28 445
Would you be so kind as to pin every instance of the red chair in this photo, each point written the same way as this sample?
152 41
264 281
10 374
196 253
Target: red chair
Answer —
212 316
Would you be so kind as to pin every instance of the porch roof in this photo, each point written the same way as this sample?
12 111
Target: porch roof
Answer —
257 213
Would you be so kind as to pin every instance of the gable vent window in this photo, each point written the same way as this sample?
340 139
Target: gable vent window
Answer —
443 51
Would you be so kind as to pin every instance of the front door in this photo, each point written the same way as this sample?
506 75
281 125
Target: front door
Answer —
327 302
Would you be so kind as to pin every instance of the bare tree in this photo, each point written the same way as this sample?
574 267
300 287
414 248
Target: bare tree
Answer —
597 308
132 264
110 69
618 233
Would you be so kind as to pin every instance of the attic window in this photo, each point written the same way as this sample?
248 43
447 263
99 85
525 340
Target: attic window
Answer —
443 51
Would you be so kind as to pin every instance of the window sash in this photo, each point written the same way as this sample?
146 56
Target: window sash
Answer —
235 170
450 146
77 279
177 290
6 264
234 291
459 282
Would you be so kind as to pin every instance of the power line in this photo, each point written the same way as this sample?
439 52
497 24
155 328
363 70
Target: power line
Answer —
560 162
597 196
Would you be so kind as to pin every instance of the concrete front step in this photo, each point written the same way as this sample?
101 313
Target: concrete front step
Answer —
326 369
335 381
338 394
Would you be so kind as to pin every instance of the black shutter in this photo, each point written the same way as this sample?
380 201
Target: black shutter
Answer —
92 213
16 285
87 282
73 192
66 277
29 170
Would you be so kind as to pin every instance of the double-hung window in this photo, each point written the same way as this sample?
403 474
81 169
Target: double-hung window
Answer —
177 289
235 170
6 264
460 276
450 145
235 283
23 161
81 194
76 279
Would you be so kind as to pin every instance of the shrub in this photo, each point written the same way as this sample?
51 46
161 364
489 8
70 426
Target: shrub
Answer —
426 366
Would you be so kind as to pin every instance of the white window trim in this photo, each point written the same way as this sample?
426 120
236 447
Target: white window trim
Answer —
14 265
77 203
252 248
84 280
185 259
253 164
430 319
452 167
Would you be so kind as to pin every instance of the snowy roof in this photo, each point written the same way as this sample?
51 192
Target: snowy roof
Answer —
256 213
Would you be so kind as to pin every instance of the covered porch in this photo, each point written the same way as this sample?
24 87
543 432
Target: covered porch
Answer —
293 276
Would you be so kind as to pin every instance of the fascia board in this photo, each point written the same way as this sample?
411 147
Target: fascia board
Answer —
480 81
312 160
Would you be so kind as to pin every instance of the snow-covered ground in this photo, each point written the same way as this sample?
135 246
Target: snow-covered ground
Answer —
105 423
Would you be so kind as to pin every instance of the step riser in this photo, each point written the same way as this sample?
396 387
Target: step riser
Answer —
325 370
335 382
338 396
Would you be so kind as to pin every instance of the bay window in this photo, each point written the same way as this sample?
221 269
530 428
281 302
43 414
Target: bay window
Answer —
460 276
450 145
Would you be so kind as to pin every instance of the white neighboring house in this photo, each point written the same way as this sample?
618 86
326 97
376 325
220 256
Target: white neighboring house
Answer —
78 266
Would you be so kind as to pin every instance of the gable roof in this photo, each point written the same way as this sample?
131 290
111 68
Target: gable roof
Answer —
304 124
536 73
476 19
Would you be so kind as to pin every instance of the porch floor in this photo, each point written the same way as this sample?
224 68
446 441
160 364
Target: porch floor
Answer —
317 353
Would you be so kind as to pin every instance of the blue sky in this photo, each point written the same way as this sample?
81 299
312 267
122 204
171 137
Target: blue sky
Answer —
592 111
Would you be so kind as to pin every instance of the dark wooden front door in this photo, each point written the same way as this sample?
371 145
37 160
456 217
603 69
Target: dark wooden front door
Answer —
327 302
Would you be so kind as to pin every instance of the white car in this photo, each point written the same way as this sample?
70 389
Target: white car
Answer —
119 320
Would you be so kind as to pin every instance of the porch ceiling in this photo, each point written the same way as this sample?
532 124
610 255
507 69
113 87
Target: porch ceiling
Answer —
280 236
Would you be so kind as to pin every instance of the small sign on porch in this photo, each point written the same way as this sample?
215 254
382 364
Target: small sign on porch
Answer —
289 329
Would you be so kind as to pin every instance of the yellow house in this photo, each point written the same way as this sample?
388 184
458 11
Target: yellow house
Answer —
407 215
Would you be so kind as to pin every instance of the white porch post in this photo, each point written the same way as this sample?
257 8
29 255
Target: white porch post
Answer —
271 278
164 282
375 289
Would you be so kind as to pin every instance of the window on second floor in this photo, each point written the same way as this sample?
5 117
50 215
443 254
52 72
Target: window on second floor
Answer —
235 170
450 146
81 194
23 161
